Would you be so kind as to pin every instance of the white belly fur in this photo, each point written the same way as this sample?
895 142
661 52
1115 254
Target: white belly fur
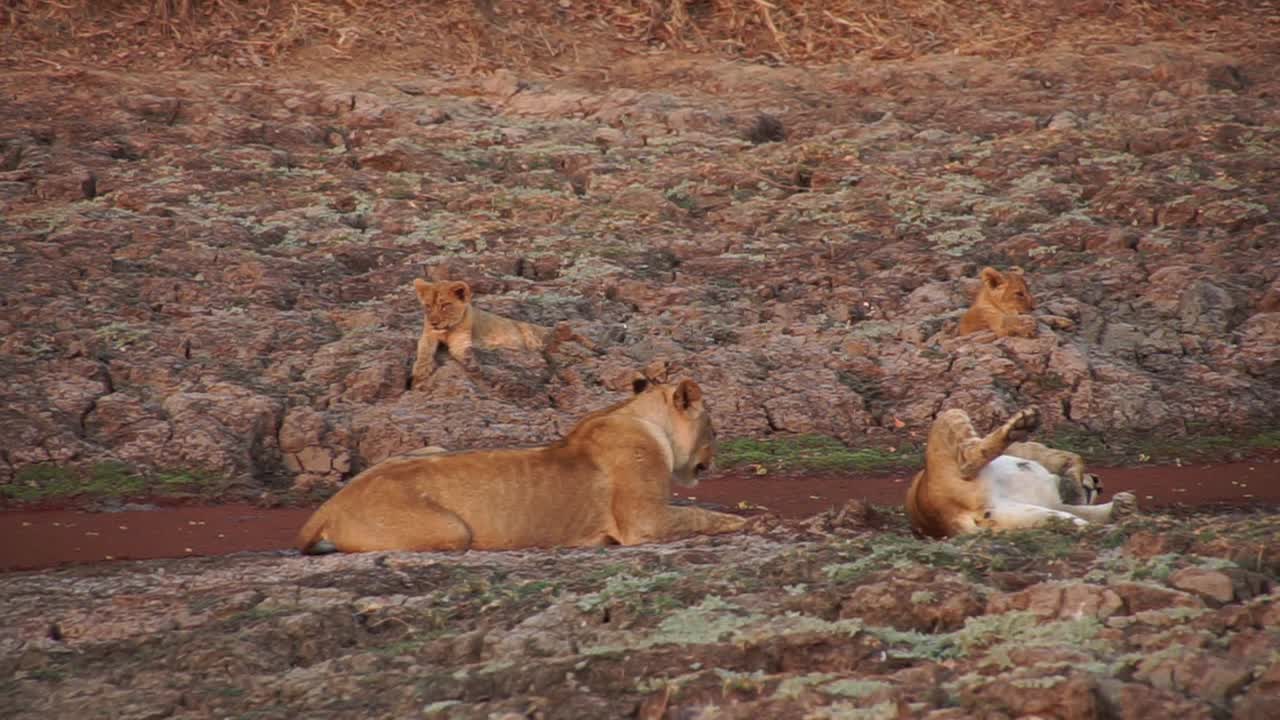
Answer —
1019 480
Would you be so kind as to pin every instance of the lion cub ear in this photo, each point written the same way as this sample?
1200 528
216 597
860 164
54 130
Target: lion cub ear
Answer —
687 393
424 289
460 290
992 278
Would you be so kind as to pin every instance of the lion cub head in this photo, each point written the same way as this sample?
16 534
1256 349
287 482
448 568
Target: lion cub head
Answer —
1006 291
445 303
692 437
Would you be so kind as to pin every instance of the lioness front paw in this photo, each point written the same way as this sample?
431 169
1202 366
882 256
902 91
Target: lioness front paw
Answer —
1022 424
762 524
1057 322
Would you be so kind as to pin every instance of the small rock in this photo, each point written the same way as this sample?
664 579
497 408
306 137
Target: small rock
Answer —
607 137
434 116
1227 77
1211 584
1060 601
766 128
1065 120
1139 596
503 83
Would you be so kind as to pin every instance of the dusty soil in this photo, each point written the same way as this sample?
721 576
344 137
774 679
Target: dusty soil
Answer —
209 236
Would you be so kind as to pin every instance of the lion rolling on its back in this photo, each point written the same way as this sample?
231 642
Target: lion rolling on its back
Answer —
450 319
971 482
607 481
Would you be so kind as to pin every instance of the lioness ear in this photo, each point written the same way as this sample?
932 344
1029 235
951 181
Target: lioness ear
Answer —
992 278
687 393
461 290
639 385
423 288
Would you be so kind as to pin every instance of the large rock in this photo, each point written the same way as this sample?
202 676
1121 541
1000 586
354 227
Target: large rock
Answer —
1056 600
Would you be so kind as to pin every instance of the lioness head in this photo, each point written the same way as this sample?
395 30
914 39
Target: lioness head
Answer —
1007 291
692 437
445 303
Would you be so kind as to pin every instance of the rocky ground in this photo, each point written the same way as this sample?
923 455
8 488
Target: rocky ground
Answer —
206 287
208 274
842 616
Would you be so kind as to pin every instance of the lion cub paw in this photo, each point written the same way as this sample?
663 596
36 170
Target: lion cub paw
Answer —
1022 326
1022 424
1124 505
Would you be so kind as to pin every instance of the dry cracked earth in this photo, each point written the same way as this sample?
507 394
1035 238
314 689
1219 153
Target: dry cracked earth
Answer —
207 279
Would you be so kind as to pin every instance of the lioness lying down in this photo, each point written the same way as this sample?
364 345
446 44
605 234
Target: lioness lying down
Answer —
971 482
608 481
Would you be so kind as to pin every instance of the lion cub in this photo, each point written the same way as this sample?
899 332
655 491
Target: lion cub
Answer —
451 319
1001 305
971 482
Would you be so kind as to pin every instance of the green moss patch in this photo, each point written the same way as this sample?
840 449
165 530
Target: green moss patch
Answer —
812 452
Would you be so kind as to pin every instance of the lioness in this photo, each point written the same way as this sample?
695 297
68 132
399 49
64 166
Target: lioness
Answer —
967 483
608 481
1001 305
451 319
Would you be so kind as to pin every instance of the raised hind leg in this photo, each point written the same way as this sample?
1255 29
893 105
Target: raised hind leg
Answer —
420 525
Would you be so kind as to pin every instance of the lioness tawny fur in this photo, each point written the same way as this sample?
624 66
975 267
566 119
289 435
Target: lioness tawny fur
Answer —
970 482
607 481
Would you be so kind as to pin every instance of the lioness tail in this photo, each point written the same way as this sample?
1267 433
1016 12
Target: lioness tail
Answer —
309 540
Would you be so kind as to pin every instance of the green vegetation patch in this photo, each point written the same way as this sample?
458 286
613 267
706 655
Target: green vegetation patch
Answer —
854 688
647 595
715 620
974 555
1143 448
994 634
1269 439
110 479
36 483
812 452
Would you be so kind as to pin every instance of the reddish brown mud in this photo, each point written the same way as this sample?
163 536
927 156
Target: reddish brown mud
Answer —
47 538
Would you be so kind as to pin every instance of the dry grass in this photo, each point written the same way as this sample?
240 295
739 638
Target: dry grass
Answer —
485 33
